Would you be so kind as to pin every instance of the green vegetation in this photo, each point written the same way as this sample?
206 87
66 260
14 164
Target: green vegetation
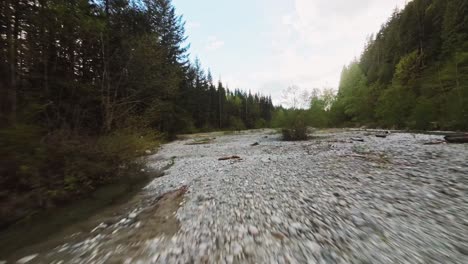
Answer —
413 72
87 86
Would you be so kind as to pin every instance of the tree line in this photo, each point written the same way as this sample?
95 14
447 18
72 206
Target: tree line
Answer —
94 66
413 73
88 86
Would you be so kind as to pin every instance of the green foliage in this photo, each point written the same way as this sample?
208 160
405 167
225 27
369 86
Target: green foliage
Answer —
236 123
296 128
354 94
423 114
413 73
58 166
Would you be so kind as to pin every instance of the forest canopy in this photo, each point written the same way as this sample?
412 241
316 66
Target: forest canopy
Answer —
413 73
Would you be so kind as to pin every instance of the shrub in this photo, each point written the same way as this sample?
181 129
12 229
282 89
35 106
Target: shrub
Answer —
43 170
296 130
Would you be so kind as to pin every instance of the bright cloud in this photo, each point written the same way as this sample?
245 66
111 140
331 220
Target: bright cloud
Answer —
214 43
274 44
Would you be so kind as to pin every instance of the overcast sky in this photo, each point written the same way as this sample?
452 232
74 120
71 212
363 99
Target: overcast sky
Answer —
268 45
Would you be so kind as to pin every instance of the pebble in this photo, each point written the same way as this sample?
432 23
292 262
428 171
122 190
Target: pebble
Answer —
253 230
236 249
276 220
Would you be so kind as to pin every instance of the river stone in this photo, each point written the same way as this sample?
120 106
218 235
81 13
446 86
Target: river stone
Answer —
236 249
275 220
26 259
253 230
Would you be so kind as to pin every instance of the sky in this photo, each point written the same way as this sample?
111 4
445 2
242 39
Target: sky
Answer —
267 45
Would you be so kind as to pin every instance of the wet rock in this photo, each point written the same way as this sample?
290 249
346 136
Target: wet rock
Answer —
27 259
132 216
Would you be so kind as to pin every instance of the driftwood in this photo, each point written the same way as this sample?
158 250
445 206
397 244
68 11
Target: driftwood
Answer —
357 139
254 144
437 142
229 158
462 138
381 135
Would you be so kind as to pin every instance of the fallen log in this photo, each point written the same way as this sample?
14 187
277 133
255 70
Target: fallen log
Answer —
437 142
462 138
357 139
229 158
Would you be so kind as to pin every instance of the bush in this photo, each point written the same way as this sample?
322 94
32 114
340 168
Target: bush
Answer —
236 123
296 130
40 170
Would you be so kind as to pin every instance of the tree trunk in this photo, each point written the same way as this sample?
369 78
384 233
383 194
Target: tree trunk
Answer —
11 29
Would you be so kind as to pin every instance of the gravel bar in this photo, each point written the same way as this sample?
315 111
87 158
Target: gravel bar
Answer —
330 199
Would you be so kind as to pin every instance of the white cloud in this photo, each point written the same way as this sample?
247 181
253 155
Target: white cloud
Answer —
214 43
313 42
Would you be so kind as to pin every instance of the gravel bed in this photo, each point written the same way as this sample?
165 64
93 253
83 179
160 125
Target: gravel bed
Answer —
331 199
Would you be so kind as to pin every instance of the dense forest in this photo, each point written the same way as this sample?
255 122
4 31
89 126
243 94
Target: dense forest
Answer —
413 73
89 85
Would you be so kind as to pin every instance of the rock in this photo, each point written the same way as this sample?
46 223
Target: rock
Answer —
314 247
26 259
292 231
132 215
100 226
275 220
253 230
278 235
358 221
147 151
254 144
343 203
265 160
236 249
177 251
389 210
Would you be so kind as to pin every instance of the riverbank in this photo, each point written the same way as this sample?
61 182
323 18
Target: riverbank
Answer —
249 197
